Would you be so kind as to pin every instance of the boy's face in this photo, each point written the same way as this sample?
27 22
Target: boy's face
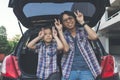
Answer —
47 35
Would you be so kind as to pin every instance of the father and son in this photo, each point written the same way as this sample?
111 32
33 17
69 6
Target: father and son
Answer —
78 60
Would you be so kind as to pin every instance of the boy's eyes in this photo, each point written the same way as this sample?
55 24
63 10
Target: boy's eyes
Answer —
48 33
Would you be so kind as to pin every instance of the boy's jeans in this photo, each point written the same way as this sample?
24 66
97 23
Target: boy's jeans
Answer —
80 75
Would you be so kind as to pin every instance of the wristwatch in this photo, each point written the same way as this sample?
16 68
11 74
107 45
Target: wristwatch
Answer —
84 24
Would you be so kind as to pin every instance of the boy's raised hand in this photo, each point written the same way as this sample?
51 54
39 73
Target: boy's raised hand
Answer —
41 33
54 32
58 25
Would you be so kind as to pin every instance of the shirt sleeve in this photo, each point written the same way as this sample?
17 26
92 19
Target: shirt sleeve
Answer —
85 32
53 48
66 37
38 46
54 44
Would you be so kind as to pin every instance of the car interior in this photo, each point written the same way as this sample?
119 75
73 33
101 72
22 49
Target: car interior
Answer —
28 58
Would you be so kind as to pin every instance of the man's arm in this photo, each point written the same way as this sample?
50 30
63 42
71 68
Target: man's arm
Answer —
59 43
91 33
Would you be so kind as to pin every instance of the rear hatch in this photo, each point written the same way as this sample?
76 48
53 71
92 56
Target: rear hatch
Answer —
32 13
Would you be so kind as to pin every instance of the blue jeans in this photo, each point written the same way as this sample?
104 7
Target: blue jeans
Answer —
80 75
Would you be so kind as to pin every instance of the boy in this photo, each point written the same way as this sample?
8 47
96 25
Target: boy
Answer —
47 49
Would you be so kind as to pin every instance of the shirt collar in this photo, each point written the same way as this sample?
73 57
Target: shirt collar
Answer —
47 45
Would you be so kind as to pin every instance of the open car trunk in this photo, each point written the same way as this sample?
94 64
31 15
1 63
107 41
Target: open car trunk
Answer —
32 13
28 62
38 13
28 58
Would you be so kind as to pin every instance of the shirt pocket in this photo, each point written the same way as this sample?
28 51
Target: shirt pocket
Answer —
52 52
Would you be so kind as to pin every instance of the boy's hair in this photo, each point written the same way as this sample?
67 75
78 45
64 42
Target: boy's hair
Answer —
47 27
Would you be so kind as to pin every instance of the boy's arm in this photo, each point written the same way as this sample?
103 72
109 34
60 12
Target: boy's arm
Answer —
32 43
59 26
59 43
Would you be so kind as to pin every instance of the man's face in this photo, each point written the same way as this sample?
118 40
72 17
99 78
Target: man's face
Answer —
68 21
47 35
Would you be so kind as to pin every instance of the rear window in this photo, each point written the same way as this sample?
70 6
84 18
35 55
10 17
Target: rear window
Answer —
38 9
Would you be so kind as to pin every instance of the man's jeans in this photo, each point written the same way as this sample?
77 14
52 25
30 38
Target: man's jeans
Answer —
80 75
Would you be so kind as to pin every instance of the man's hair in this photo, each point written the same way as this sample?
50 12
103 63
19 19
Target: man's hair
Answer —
69 13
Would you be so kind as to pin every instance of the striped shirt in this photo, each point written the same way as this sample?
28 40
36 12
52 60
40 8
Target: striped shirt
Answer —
47 59
86 51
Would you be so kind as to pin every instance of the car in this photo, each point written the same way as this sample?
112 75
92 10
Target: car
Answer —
34 14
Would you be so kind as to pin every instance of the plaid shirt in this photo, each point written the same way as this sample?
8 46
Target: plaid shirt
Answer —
86 51
47 59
